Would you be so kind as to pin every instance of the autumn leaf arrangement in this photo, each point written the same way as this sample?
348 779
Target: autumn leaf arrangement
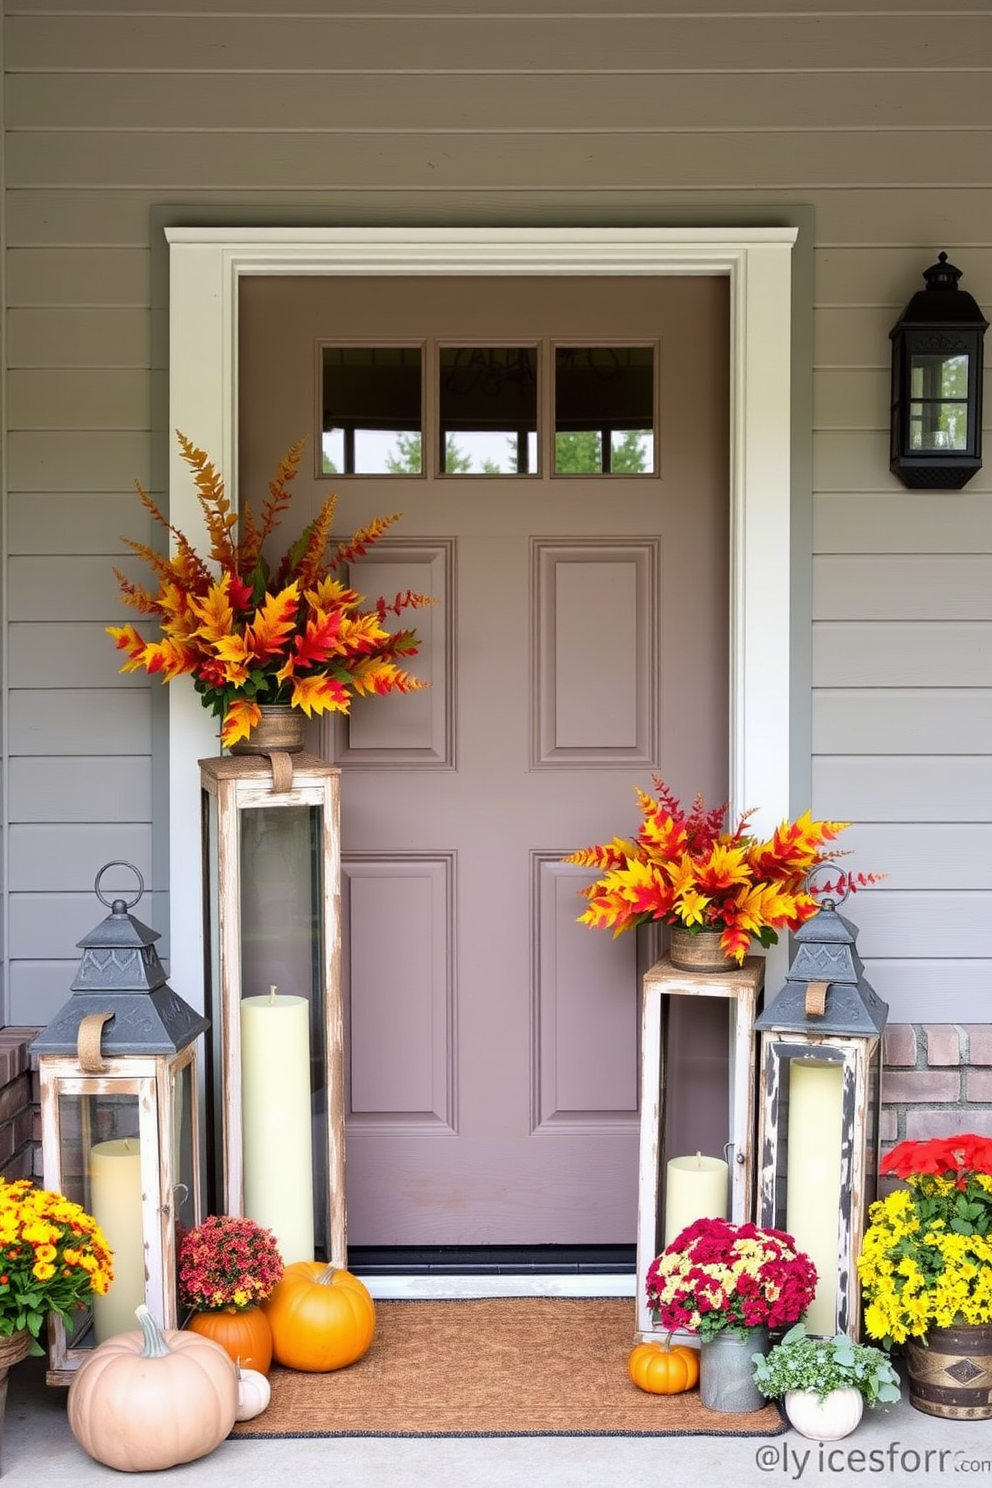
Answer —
690 868
250 635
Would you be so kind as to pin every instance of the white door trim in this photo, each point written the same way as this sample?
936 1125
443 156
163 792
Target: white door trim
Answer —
205 267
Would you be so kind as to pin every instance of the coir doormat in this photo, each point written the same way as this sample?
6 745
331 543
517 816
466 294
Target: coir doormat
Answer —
507 1366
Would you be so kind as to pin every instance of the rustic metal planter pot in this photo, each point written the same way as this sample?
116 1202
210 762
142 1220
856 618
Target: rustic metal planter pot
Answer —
726 1370
950 1374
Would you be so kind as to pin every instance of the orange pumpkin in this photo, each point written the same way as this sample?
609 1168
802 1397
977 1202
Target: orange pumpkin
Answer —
663 1370
244 1333
321 1317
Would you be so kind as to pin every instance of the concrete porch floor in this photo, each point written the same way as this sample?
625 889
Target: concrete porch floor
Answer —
899 1448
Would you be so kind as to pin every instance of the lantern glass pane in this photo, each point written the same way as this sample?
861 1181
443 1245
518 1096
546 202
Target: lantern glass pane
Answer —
698 1101
282 948
100 1159
214 1062
938 410
813 1176
183 1140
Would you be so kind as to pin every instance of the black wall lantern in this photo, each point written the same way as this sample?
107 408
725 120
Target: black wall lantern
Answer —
937 384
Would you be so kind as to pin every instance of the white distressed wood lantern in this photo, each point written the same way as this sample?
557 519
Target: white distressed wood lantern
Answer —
275 1058
819 1112
698 1106
120 1122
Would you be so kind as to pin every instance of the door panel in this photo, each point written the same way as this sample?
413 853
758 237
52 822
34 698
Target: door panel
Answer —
580 643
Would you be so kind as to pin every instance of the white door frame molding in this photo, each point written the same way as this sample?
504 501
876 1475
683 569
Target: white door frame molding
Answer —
205 267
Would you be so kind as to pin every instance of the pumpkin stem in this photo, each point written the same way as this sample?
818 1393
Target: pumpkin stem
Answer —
155 1346
668 1341
327 1276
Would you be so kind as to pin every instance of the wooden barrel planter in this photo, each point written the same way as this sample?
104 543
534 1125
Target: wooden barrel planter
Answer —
951 1374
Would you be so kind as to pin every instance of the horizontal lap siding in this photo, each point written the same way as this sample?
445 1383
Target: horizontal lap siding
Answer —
461 112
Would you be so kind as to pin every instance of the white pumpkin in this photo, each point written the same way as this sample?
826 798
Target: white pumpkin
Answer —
254 1394
829 1419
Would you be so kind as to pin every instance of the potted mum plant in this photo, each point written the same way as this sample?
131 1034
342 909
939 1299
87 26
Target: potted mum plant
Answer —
719 887
226 1266
825 1383
926 1271
53 1259
730 1284
251 635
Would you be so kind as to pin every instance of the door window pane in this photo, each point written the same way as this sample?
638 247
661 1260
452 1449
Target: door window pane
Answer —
487 400
604 410
372 411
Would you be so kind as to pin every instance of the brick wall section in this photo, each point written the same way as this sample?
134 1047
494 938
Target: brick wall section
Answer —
20 1119
936 1080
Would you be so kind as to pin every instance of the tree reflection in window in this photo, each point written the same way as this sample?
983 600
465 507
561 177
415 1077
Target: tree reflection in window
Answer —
604 410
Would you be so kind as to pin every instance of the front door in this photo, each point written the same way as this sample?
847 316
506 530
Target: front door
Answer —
558 449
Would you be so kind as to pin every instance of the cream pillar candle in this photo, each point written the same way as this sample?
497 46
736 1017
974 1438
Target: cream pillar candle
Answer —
276 1121
115 1194
695 1188
816 1110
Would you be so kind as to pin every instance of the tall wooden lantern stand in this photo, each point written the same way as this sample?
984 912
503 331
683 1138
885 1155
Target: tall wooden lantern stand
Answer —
120 1121
275 1060
698 1102
819 1112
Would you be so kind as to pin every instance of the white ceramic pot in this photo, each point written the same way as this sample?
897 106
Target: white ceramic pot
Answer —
828 1419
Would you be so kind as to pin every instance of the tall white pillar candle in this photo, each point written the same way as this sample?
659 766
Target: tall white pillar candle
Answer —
695 1188
115 1194
816 1111
276 1126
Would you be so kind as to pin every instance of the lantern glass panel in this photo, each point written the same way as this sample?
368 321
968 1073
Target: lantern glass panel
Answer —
184 1169
698 1099
938 410
214 1062
101 1171
281 934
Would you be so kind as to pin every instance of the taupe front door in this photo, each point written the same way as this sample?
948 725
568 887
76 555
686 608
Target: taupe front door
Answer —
580 643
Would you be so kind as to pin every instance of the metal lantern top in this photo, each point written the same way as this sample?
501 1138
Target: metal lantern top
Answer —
826 991
120 973
942 302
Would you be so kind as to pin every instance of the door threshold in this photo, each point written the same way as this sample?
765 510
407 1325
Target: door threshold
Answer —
453 1288
496 1270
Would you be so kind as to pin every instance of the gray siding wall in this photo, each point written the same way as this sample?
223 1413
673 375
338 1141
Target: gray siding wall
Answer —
476 112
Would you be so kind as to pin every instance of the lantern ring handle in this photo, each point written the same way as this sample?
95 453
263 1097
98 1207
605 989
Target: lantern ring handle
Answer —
119 863
835 867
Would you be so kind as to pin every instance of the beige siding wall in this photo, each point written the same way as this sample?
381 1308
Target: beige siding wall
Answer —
477 111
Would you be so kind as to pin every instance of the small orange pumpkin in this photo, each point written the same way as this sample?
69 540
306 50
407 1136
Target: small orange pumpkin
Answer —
663 1370
321 1317
243 1332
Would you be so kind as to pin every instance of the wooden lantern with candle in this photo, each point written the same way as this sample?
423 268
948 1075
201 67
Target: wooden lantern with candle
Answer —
119 1122
698 1106
819 1112
275 1058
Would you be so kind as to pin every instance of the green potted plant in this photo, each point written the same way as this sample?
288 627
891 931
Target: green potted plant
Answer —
825 1383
